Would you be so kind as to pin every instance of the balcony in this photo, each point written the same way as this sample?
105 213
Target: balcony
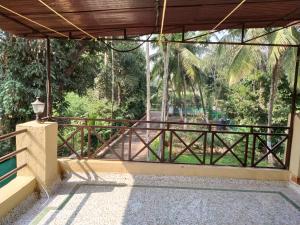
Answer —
126 180
105 171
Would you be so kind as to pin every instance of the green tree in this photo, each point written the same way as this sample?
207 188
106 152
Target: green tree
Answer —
129 86
23 75
247 60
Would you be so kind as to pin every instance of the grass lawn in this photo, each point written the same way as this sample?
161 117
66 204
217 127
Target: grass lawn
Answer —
228 159
225 160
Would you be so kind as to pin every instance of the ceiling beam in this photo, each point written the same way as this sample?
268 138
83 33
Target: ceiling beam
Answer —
234 25
151 7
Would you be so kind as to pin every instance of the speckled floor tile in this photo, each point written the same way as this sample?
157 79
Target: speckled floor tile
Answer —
137 200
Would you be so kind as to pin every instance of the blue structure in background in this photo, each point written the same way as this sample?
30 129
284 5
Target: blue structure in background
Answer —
5 167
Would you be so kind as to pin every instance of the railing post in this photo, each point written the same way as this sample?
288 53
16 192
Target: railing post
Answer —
162 153
246 151
123 143
212 147
204 148
253 150
81 141
41 154
129 144
170 145
89 142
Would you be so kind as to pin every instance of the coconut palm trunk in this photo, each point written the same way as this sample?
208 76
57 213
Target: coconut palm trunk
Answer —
112 83
148 106
119 93
272 98
165 83
112 87
202 103
184 102
164 101
195 96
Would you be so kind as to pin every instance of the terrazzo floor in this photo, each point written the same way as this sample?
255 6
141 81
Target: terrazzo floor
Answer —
137 200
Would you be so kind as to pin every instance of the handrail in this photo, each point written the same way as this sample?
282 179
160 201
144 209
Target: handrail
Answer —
167 122
12 134
10 155
169 129
12 172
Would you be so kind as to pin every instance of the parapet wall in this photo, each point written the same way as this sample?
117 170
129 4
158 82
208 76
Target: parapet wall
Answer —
164 169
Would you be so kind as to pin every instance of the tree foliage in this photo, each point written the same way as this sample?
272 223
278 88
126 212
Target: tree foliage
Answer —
130 80
75 66
23 74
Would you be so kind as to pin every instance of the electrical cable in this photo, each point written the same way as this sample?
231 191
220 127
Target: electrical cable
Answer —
47 194
127 50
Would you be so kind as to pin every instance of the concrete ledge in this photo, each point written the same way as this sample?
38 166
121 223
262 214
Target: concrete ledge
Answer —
164 169
12 194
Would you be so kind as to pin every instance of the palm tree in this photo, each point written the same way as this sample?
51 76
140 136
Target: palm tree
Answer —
180 70
184 66
164 102
112 83
148 107
148 81
247 59
190 69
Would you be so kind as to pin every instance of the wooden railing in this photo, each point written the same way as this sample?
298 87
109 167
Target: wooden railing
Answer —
12 154
174 142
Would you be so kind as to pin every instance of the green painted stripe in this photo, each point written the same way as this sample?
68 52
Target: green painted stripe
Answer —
70 195
289 200
202 189
41 215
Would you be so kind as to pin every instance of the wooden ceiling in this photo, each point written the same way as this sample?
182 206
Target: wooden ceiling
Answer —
138 17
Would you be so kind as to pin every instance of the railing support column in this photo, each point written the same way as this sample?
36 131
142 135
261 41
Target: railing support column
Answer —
293 110
41 154
295 152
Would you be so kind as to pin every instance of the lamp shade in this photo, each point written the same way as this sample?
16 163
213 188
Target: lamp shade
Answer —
38 106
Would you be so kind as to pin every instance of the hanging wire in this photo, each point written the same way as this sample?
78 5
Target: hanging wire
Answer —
163 19
32 21
90 35
213 30
228 15
66 20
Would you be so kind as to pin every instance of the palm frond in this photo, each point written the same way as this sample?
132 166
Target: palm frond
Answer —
189 62
280 37
241 64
